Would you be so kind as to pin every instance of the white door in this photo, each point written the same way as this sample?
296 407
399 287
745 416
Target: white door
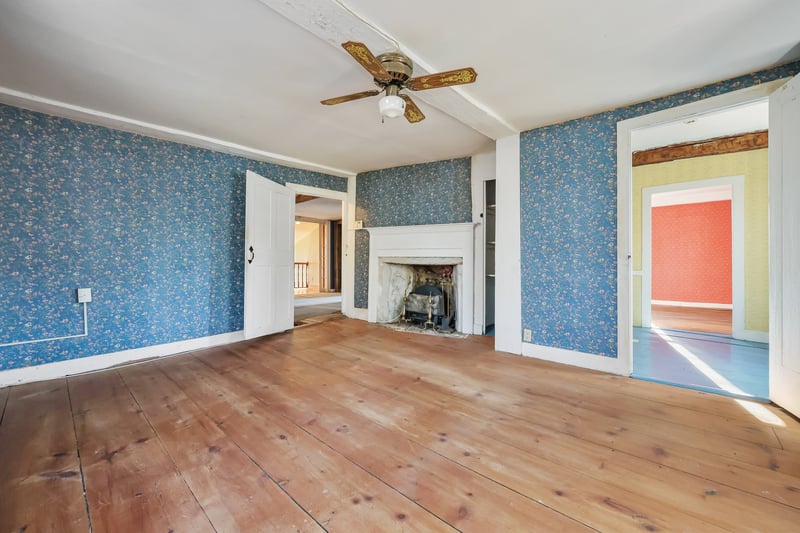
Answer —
784 229
269 257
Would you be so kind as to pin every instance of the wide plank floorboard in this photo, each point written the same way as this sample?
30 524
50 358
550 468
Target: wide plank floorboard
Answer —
40 479
349 426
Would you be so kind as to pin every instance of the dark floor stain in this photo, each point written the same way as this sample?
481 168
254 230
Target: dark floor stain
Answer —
773 464
367 498
401 516
139 494
59 455
559 492
356 500
214 449
463 512
59 475
661 452
711 492
790 488
282 437
109 455
142 440
467 454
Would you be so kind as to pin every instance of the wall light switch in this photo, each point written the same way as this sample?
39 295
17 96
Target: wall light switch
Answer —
84 295
526 335
358 224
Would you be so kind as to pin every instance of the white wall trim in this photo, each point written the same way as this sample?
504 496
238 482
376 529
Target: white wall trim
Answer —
93 363
482 169
109 120
754 336
624 177
570 357
508 276
348 261
737 244
358 314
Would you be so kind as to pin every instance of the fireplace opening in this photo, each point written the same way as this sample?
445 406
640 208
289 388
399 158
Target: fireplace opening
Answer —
431 302
420 295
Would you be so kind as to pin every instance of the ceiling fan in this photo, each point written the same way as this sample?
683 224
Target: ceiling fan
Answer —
392 73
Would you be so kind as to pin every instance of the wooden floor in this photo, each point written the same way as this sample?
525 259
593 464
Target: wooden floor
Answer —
692 319
347 426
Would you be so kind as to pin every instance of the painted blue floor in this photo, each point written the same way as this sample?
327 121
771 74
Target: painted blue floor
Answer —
712 363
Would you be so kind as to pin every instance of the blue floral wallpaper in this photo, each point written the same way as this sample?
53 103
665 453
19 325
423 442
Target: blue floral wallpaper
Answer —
154 228
568 183
428 193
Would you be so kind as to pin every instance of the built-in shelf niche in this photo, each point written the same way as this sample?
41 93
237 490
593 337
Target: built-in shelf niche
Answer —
489 239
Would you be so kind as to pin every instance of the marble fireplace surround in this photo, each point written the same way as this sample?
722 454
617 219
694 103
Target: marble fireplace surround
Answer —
430 244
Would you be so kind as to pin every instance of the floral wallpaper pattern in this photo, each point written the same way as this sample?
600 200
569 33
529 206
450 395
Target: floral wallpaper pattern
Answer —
428 193
568 183
154 228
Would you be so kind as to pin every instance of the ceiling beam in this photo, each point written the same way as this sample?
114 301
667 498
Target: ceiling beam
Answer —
729 144
334 22
300 198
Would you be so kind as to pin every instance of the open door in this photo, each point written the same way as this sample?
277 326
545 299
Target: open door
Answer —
269 257
784 228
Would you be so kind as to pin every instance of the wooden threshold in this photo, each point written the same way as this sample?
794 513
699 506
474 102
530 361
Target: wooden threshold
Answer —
349 426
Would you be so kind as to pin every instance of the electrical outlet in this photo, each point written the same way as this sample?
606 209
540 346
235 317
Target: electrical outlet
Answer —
84 296
526 335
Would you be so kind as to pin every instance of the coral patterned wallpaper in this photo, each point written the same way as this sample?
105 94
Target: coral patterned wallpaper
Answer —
428 193
154 228
568 186
691 252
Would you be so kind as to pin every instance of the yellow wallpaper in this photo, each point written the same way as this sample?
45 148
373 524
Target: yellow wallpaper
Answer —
754 167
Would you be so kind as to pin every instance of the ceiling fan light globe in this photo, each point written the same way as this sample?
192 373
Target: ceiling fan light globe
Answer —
391 106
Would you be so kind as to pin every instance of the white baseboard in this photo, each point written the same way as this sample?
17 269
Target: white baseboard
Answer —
753 336
569 357
699 305
60 369
359 314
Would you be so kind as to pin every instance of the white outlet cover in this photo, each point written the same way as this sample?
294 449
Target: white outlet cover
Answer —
526 335
84 295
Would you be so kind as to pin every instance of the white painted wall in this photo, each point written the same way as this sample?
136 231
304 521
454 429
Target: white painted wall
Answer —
306 249
508 283
483 169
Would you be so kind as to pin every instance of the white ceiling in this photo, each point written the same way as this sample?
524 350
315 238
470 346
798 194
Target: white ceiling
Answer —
319 209
250 73
740 119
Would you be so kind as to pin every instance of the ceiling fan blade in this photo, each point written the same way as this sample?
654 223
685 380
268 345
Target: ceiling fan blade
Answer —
412 114
443 79
361 53
349 97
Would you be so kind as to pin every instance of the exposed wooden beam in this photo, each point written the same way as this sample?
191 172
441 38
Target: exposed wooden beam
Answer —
300 198
719 145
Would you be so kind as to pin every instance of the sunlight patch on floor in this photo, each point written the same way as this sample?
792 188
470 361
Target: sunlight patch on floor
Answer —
755 409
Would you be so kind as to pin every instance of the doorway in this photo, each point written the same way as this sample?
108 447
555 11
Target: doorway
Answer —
318 259
699 297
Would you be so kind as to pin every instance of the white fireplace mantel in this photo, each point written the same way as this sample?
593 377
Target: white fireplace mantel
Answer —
400 244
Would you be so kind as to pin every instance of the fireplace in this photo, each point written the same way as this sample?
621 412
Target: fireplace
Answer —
401 258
